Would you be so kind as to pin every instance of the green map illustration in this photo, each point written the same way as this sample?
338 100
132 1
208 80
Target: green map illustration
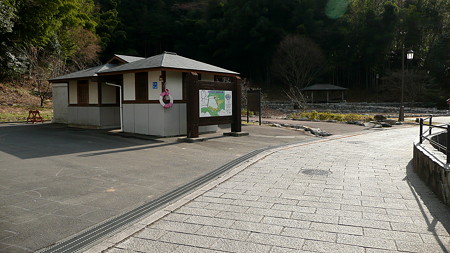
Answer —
215 103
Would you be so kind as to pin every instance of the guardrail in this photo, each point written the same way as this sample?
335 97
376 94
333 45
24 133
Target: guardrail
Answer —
424 136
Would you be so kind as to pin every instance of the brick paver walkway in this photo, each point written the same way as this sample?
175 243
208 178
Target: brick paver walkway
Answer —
351 194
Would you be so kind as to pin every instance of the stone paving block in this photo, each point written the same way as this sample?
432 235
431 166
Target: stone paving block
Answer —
117 250
143 245
315 217
151 233
365 241
298 197
213 194
286 222
197 211
278 200
263 194
317 204
202 220
228 207
428 238
239 196
229 190
213 200
364 223
176 226
336 228
239 246
189 249
340 213
196 204
364 209
257 227
310 234
269 212
394 235
226 233
302 209
188 239
176 217
240 216
422 247
284 250
415 228
249 203
385 217
341 201
326 247
276 240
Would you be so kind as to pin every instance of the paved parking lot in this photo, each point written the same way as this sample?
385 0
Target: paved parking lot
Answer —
56 181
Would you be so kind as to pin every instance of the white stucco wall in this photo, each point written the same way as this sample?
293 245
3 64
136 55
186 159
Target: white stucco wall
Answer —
60 102
108 94
73 92
153 76
93 92
207 77
174 82
129 92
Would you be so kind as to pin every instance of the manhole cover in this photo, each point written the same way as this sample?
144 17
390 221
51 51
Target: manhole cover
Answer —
316 172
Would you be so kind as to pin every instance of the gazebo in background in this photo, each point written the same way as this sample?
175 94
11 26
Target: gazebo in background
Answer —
325 93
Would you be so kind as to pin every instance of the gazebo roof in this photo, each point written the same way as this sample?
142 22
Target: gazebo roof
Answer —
324 87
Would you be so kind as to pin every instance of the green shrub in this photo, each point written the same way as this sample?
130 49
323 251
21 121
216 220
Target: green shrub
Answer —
314 115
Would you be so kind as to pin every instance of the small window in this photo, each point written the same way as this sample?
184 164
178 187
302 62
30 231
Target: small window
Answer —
83 92
141 85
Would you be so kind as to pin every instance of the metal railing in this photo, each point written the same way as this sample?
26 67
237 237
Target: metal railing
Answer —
427 134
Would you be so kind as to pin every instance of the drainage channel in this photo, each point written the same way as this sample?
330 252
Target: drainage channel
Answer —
88 237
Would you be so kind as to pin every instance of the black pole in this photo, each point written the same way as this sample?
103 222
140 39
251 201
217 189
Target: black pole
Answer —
420 130
448 143
431 123
260 111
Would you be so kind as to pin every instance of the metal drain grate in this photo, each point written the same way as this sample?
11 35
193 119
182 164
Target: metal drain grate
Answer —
88 237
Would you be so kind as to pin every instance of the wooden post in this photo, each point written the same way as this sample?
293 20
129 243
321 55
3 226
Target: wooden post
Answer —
237 98
192 105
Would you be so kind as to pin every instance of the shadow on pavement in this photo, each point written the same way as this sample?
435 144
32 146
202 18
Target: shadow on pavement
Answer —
45 140
438 211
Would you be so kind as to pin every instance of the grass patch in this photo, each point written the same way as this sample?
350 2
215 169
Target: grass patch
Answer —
20 113
313 115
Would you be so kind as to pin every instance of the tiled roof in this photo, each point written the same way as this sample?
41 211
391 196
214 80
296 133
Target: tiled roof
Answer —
85 73
168 60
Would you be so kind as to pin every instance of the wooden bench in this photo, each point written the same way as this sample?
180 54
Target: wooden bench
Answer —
34 116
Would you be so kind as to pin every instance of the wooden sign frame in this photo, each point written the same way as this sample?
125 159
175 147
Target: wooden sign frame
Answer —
193 105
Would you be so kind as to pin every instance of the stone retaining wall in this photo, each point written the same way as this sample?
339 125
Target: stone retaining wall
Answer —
430 165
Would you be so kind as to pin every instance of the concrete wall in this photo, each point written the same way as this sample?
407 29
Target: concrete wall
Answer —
94 116
430 165
60 102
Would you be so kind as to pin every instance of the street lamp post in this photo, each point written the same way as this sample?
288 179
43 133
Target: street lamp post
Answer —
409 56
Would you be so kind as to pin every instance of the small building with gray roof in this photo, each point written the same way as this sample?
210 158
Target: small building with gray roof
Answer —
138 85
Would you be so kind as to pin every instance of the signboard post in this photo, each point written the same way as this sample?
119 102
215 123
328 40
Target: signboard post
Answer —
254 102
212 103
